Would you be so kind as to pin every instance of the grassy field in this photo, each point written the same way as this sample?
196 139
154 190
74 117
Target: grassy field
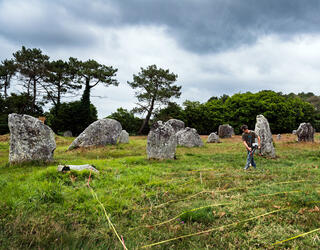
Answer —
202 200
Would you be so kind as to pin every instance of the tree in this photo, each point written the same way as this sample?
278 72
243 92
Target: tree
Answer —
154 88
58 81
32 66
20 104
90 73
67 117
8 69
172 111
127 119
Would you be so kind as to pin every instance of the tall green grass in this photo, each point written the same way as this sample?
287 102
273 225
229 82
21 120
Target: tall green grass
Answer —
42 208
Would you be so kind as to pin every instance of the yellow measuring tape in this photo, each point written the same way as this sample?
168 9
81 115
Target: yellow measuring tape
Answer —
108 219
217 191
176 217
300 235
212 229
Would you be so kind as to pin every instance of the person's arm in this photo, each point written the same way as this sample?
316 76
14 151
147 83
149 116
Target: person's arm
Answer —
259 142
246 145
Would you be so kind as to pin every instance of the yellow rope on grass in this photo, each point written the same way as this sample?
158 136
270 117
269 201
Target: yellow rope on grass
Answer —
108 219
217 191
212 229
177 216
298 236
213 205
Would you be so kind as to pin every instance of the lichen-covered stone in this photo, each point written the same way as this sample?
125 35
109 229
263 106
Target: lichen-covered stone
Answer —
305 132
161 142
213 138
67 133
189 137
124 137
225 131
99 133
30 139
262 129
176 124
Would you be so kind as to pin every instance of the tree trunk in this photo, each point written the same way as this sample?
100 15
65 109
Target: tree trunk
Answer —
34 95
145 121
85 103
5 90
58 99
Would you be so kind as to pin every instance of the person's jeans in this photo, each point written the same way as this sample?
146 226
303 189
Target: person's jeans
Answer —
250 160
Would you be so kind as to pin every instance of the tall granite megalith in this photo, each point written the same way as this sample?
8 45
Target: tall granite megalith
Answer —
30 139
305 132
262 129
162 141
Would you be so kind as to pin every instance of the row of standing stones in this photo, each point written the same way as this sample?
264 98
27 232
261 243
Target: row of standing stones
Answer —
31 140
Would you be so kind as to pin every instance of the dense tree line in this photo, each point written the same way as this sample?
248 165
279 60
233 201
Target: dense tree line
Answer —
284 112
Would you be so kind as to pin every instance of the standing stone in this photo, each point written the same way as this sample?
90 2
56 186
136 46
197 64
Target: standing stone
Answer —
124 137
189 137
67 133
305 132
262 129
278 137
177 125
99 133
225 131
30 139
213 138
162 141
294 132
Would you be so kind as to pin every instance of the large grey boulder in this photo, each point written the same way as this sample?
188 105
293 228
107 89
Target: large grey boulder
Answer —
262 129
30 139
161 142
124 137
213 138
225 131
305 132
176 124
189 137
67 133
99 133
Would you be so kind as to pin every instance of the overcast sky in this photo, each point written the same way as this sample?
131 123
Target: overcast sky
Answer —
215 46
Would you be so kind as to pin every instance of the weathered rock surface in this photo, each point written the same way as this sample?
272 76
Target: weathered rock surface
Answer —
189 137
213 138
176 124
99 133
162 141
294 132
67 133
63 168
30 139
225 131
305 132
262 129
124 137
278 137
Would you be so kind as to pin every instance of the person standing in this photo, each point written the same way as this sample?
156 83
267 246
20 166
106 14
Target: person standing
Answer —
248 138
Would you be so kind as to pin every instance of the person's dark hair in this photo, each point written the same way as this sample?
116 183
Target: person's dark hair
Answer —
244 127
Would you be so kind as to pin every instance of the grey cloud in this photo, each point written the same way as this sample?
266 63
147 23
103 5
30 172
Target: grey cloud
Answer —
41 24
208 25
200 26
